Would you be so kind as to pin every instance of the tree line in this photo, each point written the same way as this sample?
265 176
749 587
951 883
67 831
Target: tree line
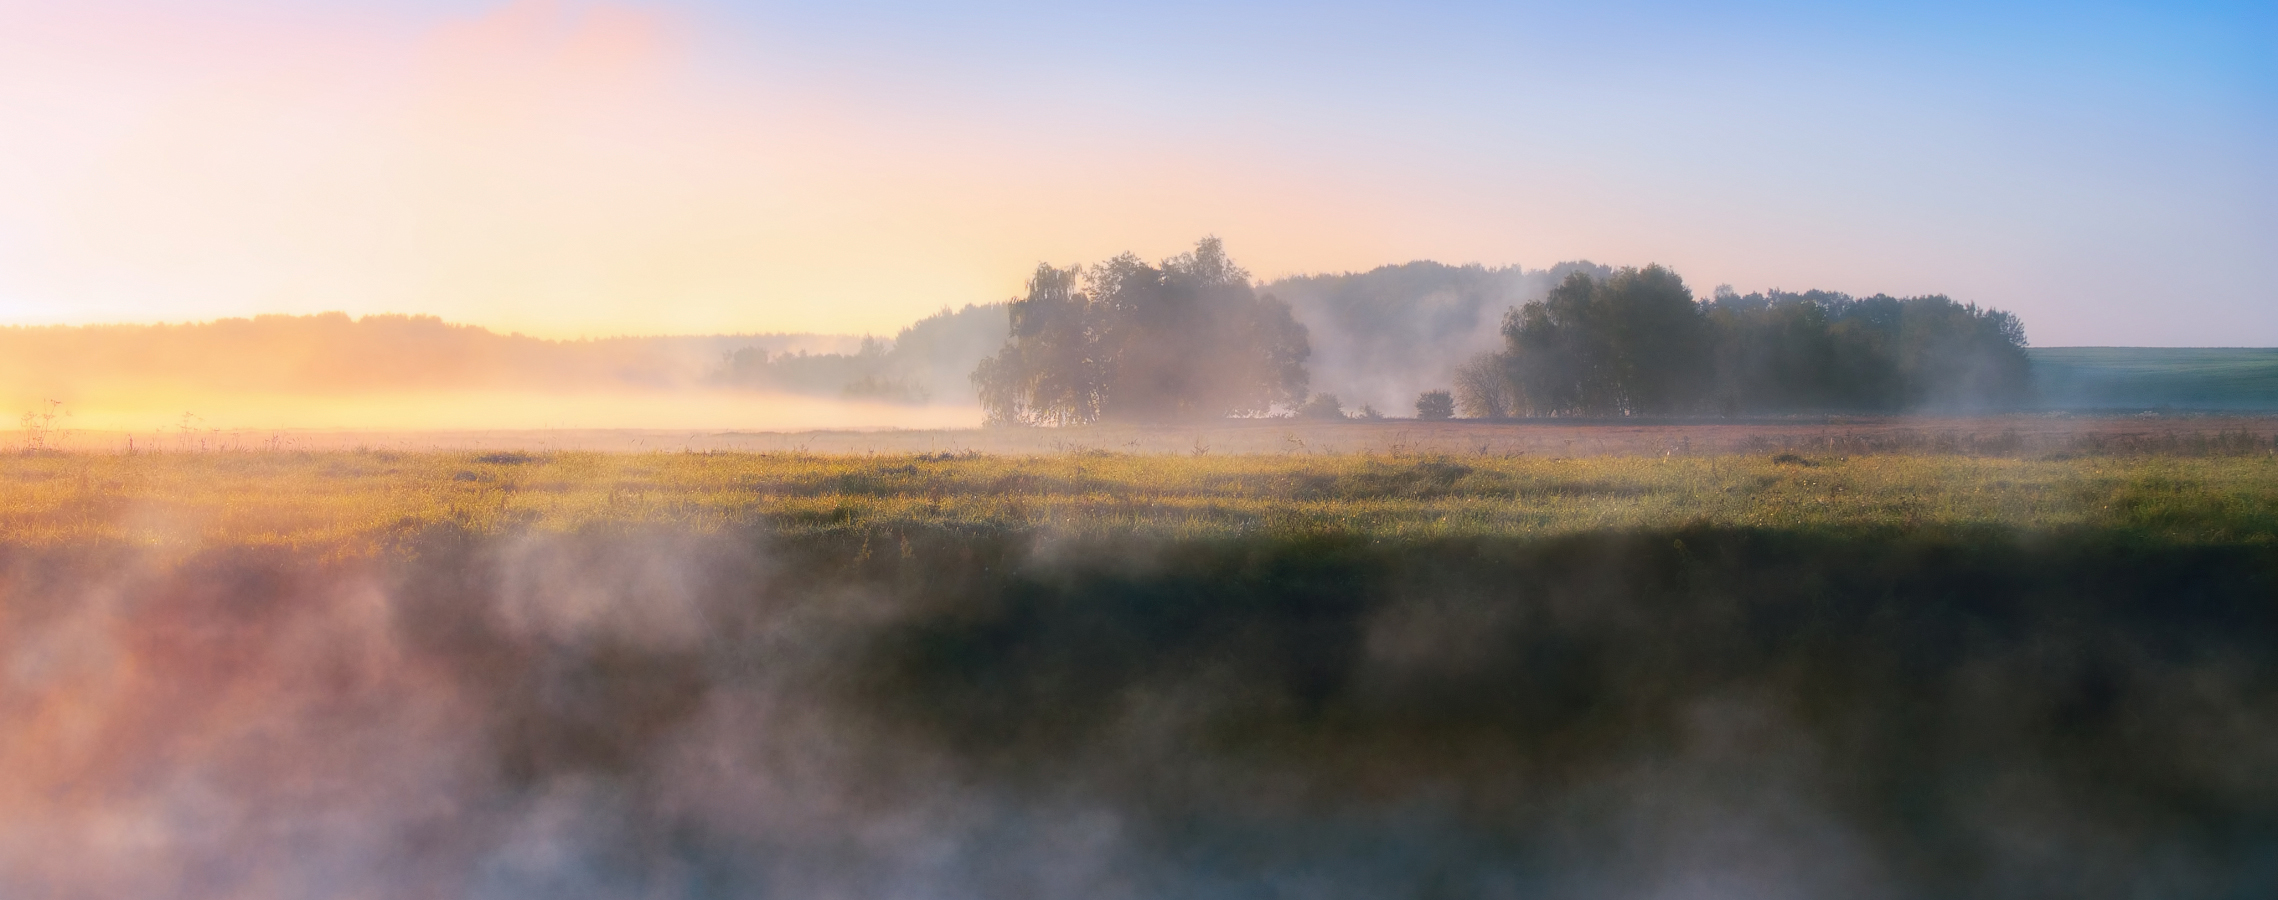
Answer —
1637 343
1191 338
933 356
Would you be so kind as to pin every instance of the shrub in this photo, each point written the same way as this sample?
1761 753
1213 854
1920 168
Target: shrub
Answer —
1322 406
1434 405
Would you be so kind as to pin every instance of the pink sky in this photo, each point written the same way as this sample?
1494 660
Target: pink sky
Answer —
578 169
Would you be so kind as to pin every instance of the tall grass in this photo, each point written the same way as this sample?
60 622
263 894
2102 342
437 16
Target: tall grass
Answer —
382 674
361 501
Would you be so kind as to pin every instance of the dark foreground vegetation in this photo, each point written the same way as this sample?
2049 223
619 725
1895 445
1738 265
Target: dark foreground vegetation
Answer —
523 675
1939 712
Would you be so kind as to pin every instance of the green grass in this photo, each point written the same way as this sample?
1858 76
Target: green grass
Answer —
1398 674
2150 377
361 502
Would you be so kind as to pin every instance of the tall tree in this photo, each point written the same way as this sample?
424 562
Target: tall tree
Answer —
1821 350
1483 388
1188 338
1958 356
1630 344
1049 371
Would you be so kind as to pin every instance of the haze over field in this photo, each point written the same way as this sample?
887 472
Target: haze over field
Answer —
695 449
688 214
1373 342
511 675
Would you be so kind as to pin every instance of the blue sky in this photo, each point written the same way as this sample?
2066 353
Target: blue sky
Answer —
2103 170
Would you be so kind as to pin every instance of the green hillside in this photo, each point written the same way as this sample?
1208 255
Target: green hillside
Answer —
2156 377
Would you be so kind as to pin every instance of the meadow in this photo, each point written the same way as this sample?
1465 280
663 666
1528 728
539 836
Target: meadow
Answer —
359 502
2233 378
505 673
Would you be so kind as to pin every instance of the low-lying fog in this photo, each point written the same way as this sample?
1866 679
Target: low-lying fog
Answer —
1692 716
167 414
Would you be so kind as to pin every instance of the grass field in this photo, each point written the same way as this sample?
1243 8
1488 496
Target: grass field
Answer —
2041 434
366 500
2156 377
1769 674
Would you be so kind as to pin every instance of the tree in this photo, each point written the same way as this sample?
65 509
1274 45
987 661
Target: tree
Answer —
1322 406
1630 344
1434 405
1957 356
1822 350
1483 388
1049 371
1188 338
1782 352
1636 343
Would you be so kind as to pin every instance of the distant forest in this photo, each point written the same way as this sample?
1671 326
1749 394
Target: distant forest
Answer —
1637 343
1195 336
333 353
1375 338
929 361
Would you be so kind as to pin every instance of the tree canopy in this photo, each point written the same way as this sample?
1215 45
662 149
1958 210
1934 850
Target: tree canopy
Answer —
1636 343
1822 350
1126 340
1628 344
1190 337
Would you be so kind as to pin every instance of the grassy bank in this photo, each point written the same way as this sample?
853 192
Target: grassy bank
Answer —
1845 709
361 502
1135 677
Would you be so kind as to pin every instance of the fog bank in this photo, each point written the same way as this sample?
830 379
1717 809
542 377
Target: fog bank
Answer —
246 418
1698 713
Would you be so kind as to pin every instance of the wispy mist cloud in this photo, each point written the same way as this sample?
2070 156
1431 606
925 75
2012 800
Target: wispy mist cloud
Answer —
670 715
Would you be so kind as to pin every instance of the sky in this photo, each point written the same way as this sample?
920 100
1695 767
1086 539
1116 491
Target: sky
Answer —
567 168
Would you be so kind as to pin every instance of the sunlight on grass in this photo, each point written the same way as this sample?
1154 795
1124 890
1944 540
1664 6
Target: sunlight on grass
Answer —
359 501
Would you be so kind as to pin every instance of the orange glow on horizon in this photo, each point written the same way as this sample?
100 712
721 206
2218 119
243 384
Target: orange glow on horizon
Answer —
587 168
169 414
565 170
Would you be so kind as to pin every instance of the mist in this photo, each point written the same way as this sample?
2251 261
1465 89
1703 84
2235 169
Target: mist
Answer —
1383 336
247 418
407 373
1376 340
332 353
1698 713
